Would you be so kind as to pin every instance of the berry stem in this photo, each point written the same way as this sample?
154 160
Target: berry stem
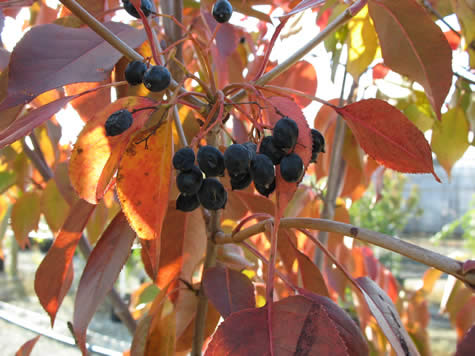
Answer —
414 252
179 127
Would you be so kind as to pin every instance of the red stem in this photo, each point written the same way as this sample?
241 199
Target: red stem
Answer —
148 30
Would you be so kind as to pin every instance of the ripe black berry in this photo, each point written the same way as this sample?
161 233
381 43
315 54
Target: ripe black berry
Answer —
157 78
222 11
318 144
251 149
236 160
184 159
265 190
241 181
291 167
262 170
190 182
145 6
187 203
118 122
267 148
134 72
211 161
285 134
212 194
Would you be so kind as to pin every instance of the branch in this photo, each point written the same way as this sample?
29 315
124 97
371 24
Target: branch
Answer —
414 252
120 307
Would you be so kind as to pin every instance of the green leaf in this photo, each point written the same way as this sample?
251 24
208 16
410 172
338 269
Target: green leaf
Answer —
25 216
53 206
450 138
7 179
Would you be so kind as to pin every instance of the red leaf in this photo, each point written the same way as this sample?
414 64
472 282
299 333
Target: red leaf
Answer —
388 136
101 271
27 347
301 325
380 71
453 39
304 5
229 291
55 273
387 317
50 56
468 266
409 39
95 156
466 347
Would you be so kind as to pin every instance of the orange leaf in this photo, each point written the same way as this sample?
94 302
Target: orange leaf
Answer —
95 156
27 347
388 136
55 273
101 271
409 38
143 180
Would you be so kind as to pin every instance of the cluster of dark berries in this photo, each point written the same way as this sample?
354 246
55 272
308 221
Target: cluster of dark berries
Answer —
194 189
222 11
318 144
155 78
118 122
145 6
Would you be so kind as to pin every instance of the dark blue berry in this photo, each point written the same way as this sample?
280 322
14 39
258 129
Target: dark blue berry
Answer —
187 203
190 182
267 148
222 11
291 168
262 170
241 181
236 160
184 159
318 144
157 78
211 161
118 122
145 6
212 194
134 72
251 149
285 134
265 190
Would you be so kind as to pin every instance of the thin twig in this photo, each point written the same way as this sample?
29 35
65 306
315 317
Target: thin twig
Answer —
429 7
414 252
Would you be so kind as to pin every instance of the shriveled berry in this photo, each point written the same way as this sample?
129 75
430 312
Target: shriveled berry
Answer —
211 161
267 148
190 182
118 122
318 144
291 168
134 72
187 203
285 134
241 181
145 6
212 194
251 149
265 190
262 170
222 11
157 78
236 159
184 159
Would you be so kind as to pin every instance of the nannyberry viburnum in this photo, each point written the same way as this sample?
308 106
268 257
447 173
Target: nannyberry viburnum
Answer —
251 149
265 190
291 168
145 6
285 134
212 194
241 181
134 72
268 148
222 11
318 144
118 122
187 203
236 159
190 182
211 161
184 159
262 170
157 78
